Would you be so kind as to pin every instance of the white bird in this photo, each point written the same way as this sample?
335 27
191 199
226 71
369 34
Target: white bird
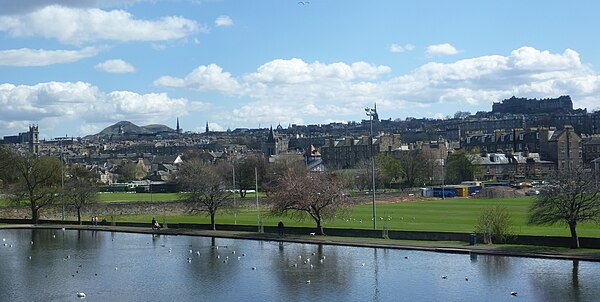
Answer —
29 257
466 278
513 293
362 264
116 268
444 277
198 253
253 268
80 295
31 242
308 281
244 255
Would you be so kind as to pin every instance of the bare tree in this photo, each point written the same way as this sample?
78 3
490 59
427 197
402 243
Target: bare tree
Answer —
571 199
205 186
32 178
494 224
301 194
80 189
244 171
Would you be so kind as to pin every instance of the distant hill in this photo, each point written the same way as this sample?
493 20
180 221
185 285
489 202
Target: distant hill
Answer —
129 128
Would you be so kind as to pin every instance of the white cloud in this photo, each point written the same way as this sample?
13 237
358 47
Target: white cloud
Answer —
400 48
10 7
42 57
445 49
223 21
203 78
76 26
294 91
53 103
115 66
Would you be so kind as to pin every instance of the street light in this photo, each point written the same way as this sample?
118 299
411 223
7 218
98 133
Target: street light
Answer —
442 163
370 113
234 204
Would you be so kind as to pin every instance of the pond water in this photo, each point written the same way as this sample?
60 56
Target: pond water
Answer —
53 265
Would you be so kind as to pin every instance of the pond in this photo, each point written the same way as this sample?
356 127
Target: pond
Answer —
54 265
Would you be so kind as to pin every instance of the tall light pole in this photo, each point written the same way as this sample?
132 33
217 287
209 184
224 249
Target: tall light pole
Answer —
256 191
442 163
370 113
234 204
62 180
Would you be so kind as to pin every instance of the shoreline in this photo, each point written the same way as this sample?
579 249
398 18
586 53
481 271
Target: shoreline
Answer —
430 246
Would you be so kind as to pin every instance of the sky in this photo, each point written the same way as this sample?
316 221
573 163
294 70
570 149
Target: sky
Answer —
75 67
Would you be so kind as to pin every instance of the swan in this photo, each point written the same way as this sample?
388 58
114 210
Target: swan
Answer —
80 295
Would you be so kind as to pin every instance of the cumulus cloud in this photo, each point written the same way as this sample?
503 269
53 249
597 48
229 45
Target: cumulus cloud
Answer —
294 91
42 57
75 26
115 66
10 7
400 48
57 102
223 21
445 49
203 78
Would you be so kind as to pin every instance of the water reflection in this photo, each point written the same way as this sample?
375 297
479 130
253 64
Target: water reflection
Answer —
113 266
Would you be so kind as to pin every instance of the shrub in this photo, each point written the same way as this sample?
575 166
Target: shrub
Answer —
494 224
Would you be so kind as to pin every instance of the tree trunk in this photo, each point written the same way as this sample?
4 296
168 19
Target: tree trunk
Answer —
34 215
212 221
574 238
79 215
320 228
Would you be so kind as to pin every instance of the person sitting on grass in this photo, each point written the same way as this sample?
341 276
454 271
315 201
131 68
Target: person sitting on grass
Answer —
155 225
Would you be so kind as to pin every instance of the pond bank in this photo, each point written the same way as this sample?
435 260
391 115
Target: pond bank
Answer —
433 246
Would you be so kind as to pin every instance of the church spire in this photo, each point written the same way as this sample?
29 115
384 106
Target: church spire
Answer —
207 130
178 129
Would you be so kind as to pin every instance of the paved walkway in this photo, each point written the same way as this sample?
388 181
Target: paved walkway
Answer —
433 246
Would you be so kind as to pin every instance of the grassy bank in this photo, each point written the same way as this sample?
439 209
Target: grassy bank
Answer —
452 215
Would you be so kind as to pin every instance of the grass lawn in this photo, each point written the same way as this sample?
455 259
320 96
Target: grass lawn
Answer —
451 215
137 197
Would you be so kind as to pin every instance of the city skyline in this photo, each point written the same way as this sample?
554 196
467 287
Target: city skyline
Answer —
75 69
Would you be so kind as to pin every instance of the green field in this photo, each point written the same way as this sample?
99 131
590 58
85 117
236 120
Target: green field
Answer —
451 215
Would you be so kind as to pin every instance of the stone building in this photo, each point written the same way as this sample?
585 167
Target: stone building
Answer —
346 152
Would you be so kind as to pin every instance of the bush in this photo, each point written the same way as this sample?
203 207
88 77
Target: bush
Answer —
494 224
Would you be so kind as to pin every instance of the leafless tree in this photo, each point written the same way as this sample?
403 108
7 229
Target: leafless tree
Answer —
32 178
300 194
572 198
80 189
205 186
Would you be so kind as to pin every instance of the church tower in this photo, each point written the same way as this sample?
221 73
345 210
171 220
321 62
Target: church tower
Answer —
34 139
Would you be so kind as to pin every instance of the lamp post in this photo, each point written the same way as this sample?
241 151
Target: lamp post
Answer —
370 113
62 181
234 204
442 164
256 191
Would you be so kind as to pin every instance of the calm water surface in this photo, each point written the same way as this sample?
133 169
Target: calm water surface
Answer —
138 267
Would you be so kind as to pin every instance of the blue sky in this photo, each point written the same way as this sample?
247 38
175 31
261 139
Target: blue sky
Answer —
77 66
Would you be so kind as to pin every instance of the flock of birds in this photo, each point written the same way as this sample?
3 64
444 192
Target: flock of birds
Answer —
307 261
